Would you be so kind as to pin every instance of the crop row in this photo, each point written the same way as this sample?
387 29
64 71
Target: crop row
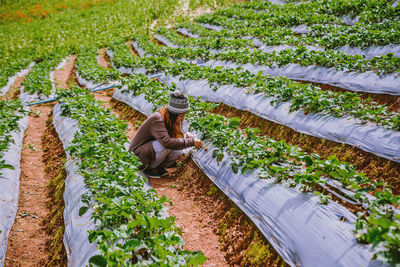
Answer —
384 64
378 224
269 35
243 18
366 11
38 80
305 96
208 43
308 14
10 113
329 36
326 35
276 15
88 67
130 223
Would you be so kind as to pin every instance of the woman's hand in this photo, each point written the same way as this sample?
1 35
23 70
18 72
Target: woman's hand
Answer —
198 143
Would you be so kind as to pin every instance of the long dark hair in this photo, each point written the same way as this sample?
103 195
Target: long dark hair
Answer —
173 122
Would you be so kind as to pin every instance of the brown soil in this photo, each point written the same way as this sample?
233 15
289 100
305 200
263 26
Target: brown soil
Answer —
28 237
375 167
54 158
393 102
104 59
197 227
63 77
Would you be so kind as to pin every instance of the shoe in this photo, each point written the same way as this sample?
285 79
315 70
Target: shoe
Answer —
163 172
156 173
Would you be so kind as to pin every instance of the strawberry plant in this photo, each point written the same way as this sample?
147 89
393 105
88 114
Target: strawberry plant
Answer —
10 113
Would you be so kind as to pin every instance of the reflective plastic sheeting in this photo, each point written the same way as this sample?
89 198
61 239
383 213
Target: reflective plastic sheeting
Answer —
361 82
368 81
303 29
369 137
90 85
349 20
79 249
165 41
302 231
212 27
186 32
9 186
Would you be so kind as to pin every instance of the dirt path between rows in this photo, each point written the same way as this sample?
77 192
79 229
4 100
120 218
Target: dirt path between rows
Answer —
197 233
103 59
65 75
29 239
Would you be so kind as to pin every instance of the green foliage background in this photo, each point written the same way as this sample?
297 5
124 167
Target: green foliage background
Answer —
69 29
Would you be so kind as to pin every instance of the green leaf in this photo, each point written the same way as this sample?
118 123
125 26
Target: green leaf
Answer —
234 122
83 210
97 261
197 259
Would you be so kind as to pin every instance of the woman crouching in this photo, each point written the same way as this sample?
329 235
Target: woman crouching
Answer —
159 141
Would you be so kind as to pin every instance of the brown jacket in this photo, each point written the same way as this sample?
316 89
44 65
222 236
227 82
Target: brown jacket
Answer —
153 128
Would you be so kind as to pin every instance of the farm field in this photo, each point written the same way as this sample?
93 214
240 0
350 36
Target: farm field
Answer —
297 104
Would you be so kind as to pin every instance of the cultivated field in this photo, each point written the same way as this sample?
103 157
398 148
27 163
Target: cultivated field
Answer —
297 103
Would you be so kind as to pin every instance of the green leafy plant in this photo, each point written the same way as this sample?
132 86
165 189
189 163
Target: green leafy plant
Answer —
10 114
